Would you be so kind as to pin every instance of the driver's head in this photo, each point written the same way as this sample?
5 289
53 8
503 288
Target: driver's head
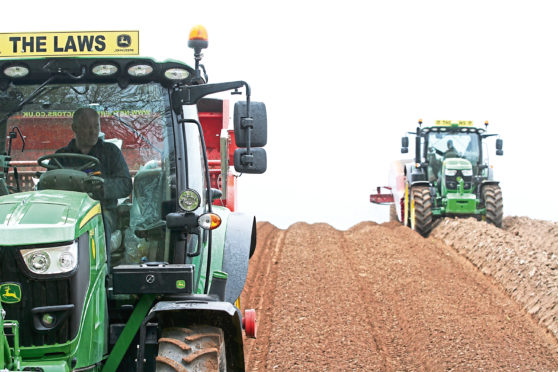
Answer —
450 144
86 125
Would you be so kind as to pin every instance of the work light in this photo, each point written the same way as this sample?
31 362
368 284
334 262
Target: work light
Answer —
189 200
17 71
106 69
176 74
140 70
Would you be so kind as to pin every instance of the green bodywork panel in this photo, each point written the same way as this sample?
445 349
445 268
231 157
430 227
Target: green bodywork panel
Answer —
40 217
460 203
460 200
51 216
454 164
457 163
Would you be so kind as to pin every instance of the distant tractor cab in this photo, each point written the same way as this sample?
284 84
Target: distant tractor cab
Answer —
151 281
449 176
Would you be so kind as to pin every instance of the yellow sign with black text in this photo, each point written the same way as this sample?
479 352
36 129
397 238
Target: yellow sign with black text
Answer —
66 44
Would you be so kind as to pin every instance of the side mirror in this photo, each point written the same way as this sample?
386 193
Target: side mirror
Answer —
257 122
499 146
254 163
404 145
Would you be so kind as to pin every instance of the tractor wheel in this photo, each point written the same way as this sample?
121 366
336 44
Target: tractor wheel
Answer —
492 195
197 348
421 210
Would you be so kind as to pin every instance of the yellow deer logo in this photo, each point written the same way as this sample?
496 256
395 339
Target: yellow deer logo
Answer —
10 293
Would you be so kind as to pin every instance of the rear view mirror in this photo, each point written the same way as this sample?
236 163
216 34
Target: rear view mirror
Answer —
256 162
404 145
255 126
499 146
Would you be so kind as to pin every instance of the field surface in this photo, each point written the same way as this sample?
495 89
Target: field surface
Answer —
383 298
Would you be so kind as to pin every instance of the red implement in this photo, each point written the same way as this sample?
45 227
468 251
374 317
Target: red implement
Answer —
380 198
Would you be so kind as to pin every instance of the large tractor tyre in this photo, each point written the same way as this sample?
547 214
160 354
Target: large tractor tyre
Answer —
494 204
197 348
421 210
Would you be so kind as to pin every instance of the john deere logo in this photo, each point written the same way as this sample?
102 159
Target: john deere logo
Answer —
124 41
10 293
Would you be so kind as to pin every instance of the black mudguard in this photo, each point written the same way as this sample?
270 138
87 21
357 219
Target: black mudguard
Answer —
200 310
240 243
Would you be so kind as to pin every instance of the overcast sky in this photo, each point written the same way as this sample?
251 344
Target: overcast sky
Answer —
343 81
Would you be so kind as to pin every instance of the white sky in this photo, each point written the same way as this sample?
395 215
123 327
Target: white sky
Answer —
343 81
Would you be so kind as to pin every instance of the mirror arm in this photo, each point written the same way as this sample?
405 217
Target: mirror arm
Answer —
190 95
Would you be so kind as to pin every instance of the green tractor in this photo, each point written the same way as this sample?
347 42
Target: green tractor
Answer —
152 283
449 176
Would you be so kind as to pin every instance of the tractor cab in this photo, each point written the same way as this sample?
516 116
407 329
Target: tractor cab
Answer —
442 143
134 116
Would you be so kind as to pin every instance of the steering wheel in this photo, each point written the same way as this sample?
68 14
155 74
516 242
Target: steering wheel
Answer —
90 161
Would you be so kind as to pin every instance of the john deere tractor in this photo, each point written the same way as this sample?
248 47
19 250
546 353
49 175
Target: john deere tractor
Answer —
449 176
152 283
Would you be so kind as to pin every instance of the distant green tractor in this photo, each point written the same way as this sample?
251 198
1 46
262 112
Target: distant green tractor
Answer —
449 176
152 283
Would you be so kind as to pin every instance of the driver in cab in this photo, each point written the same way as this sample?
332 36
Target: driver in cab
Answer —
113 181
451 152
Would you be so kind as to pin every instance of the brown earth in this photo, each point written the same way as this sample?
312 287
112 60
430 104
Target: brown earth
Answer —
382 298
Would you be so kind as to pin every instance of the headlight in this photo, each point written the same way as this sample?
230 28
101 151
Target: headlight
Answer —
467 172
51 260
451 172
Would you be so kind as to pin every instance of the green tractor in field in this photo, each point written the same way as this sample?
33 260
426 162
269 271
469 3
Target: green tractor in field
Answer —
449 176
153 281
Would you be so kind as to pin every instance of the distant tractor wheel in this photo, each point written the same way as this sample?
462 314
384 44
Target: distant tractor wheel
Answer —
492 195
197 348
421 210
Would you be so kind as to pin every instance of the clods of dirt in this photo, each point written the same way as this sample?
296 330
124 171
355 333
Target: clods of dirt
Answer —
381 297
522 257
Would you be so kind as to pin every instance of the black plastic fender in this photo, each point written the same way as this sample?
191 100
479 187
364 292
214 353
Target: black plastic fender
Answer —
420 183
240 243
199 309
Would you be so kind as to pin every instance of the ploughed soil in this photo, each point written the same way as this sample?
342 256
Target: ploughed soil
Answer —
383 298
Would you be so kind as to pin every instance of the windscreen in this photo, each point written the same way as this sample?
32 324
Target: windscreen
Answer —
457 145
444 145
135 119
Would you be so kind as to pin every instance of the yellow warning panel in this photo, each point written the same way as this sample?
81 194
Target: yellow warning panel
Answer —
460 123
67 44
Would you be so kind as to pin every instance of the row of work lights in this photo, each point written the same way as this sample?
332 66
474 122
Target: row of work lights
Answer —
108 69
